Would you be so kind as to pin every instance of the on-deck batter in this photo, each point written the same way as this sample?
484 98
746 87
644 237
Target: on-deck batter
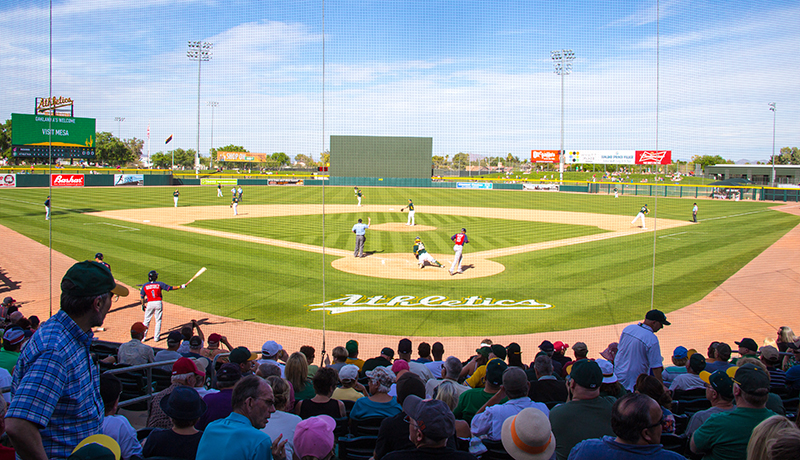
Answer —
460 239
152 301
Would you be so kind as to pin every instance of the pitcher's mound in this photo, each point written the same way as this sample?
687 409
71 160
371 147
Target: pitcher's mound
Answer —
401 227
405 267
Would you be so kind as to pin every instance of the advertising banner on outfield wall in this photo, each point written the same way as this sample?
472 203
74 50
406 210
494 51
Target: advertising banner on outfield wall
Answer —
242 156
619 157
66 180
541 187
8 180
128 179
209 181
474 185
544 156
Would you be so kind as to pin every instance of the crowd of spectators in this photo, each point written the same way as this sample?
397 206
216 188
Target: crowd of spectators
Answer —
233 403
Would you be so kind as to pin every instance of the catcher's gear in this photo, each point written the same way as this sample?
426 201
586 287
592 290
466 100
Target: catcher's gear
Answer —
152 276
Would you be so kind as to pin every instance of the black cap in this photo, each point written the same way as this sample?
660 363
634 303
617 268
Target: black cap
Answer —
388 352
499 351
657 315
750 344
404 346
546 346
99 255
174 337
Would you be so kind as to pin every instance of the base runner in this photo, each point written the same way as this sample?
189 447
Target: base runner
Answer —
422 254
152 301
460 239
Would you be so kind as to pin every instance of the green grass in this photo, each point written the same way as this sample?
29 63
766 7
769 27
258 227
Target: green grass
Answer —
604 282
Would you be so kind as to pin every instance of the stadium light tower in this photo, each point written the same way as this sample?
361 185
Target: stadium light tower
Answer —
198 51
772 108
119 121
212 104
562 60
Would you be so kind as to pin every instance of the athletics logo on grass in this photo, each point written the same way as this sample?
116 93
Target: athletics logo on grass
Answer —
358 302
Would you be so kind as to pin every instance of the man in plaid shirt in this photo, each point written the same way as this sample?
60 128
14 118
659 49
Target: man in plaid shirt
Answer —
56 388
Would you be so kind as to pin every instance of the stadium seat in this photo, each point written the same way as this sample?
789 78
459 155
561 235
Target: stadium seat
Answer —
495 451
675 443
365 426
356 447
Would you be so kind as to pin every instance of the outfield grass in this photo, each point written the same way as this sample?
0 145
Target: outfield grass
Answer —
590 284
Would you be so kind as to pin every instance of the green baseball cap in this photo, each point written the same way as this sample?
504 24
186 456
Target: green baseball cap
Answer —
351 346
89 278
587 374
751 379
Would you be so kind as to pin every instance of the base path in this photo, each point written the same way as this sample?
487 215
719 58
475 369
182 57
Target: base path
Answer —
395 266
754 302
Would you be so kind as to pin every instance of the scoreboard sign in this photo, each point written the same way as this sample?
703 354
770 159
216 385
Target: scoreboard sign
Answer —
35 135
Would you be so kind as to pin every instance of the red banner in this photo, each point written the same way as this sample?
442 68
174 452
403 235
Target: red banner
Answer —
66 180
544 156
653 157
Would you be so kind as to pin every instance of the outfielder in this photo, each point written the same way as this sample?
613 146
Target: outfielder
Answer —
358 194
219 191
47 208
460 239
422 254
235 205
642 212
616 193
151 301
175 196
410 213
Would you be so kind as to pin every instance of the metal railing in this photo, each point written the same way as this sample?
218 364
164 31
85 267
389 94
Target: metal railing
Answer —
148 374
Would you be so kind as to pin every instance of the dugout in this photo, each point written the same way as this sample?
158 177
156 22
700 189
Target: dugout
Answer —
381 161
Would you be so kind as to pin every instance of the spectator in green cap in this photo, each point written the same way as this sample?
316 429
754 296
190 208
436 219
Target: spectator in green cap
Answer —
352 354
57 399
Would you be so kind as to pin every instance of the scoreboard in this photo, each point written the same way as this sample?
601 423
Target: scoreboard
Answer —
35 135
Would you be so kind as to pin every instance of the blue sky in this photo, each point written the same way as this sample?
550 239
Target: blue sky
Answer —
476 76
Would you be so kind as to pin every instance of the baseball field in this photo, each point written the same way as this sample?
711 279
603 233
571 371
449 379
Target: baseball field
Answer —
536 261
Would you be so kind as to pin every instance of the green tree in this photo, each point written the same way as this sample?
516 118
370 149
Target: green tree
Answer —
708 160
136 146
788 156
111 150
460 160
281 158
325 158
161 160
183 157
305 159
5 139
438 161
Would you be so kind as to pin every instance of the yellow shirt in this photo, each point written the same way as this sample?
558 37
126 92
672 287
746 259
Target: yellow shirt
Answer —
478 379
357 362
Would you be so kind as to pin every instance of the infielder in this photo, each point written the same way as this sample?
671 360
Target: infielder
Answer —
175 197
422 254
47 208
460 239
642 212
151 301
360 229
219 191
694 213
410 212
358 194
235 205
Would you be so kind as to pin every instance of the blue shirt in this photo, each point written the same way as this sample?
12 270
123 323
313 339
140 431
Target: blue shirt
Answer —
608 448
57 387
360 228
366 408
234 438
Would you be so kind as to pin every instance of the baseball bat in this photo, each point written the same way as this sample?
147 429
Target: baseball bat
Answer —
199 272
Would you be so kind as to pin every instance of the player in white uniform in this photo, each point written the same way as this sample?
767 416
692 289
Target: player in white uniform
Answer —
219 190
235 205
411 213
422 254
358 194
175 197
642 212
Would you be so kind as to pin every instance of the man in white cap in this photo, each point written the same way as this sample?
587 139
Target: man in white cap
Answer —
272 351
527 435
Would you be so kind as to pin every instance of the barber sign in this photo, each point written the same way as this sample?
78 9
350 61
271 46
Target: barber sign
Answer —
66 180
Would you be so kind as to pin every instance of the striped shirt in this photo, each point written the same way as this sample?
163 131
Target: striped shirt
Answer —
57 387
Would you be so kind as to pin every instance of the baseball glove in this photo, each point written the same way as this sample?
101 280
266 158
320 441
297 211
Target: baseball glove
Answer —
416 256
402 209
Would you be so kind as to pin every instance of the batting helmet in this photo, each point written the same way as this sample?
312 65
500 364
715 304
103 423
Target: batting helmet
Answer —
99 255
152 276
